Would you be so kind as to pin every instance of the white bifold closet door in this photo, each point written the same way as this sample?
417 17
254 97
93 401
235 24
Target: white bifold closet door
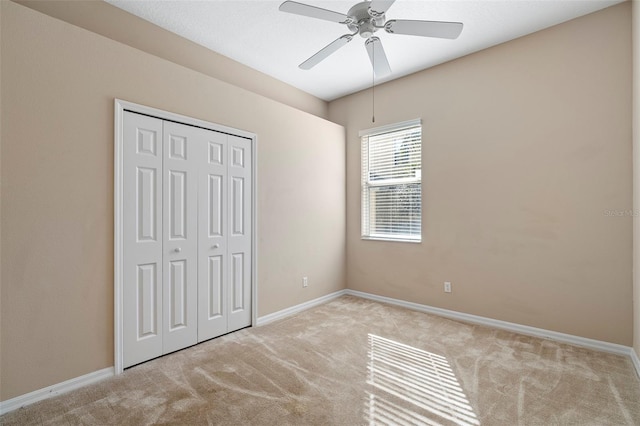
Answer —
239 232
179 236
142 238
187 236
224 254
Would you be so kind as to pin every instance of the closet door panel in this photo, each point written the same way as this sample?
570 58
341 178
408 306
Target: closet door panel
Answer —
142 239
240 228
180 235
213 270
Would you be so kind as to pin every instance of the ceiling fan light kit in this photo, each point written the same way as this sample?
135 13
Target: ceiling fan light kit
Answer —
365 18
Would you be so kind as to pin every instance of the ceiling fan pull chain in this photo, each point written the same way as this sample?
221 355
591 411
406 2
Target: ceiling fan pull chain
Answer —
373 87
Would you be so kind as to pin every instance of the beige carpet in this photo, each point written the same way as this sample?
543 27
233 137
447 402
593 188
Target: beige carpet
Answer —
352 362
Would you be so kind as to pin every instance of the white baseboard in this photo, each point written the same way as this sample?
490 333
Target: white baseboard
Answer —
504 325
635 360
96 376
299 308
54 390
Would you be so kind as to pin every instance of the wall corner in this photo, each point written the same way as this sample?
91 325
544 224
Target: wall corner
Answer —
635 121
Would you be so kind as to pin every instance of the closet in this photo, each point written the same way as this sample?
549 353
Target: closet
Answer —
186 235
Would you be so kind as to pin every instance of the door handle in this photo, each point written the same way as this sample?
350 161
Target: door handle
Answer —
215 245
177 250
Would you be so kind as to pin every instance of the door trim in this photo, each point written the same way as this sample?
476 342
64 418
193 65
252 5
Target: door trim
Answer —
120 107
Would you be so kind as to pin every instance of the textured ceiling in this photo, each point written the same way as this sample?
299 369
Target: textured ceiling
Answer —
257 34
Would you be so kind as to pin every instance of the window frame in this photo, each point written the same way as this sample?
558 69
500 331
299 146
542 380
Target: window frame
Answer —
365 184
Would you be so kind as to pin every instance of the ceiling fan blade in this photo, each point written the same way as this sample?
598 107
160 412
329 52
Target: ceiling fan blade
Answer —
313 12
379 7
438 29
325 52
377 56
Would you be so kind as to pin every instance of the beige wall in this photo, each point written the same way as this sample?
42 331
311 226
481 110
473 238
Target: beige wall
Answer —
525 145
636 175
58 85
107 20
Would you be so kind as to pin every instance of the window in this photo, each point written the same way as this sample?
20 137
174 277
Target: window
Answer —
391 182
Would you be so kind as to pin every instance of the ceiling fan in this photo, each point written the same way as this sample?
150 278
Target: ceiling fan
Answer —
365 18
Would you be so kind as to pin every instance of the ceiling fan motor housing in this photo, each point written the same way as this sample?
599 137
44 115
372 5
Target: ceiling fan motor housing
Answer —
363 21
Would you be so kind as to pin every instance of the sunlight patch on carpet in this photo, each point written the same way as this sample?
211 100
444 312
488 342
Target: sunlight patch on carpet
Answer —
422 379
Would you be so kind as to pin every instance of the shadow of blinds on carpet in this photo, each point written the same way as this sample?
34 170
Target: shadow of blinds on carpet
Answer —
402 374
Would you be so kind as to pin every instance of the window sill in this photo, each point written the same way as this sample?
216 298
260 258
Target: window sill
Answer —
392 240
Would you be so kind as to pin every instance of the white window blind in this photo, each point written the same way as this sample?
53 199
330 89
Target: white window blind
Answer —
391 182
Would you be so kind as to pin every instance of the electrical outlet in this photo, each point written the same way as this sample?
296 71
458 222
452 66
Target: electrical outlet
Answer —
447 287
305 281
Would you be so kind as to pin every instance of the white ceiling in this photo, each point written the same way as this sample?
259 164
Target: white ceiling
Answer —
255 33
